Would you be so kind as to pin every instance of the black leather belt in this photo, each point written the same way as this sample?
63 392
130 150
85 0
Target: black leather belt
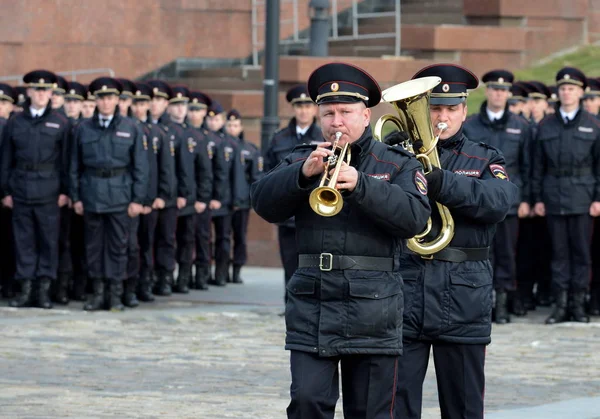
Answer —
461 254
35 167
576 171
106 173
328 262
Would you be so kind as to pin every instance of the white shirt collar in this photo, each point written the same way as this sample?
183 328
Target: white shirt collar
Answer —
302 131
106 118
569 115
494 115
36 112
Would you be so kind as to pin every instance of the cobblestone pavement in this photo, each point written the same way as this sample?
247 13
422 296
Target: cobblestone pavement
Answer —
219 354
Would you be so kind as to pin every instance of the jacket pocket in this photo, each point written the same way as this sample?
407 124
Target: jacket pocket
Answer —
374 308
470 297
302 307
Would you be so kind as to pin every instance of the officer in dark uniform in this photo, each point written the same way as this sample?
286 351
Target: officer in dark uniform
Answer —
21 98
222 211
552 100
302 129
252 167
162 185
108 185
197 111
344 301
448 295
194 157
566 189
89 105
126 96
33 180
497 126
58 94
7 101
165 238
538 97
72 97
517 98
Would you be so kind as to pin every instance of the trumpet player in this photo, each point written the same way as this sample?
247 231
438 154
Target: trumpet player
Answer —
344 301
448 294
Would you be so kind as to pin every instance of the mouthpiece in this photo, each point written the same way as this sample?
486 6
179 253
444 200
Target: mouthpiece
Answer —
442 126
338 135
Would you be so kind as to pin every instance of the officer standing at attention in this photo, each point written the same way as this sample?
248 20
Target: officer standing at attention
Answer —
302 129
7 100
566 189
33 179
108 185
497 126
89 105
252 167
448 297
345 299
126 96
58 94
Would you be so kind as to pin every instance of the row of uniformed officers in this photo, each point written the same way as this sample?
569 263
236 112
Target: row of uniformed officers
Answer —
113 199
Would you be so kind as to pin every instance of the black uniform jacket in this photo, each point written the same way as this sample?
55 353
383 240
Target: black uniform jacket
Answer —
162 181
566 170
512 135
348 311
195 158
452 301
109 167
34 156
282 144
231 184
252 169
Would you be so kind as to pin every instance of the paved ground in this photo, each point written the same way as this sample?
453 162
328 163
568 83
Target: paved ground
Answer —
219 354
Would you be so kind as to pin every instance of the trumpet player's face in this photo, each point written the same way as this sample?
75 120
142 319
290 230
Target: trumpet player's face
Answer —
348 118
452 115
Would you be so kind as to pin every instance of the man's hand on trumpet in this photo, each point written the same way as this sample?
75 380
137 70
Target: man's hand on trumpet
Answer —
314 164
347 178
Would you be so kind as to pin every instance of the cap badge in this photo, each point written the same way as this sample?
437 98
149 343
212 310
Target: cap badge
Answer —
41 80
211 113
445 88
554 96
138 93
232 118
179 94
587 89
1 92
335 87
567 77
195 100
155 90
104 87
303 95
72 91
500 80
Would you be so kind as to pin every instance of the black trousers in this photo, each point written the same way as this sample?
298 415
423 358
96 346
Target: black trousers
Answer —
133 249
65 263
222 238
186 244
534 253
106 243
165 243
35 228
459 373
368 385
240 231
203 227
571 260
504 254
7 254
288 250
78 245
595 252
146 234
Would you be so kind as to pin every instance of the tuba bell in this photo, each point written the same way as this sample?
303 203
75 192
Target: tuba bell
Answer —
411 101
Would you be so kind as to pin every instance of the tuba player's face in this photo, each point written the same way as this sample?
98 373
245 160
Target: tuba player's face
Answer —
452 115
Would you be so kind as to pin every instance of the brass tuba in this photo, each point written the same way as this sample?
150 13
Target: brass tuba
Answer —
326 200
411 101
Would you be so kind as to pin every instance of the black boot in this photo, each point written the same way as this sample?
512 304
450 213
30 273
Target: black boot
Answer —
96 301
62 289
43 293
202 276
517 306
236 274
559 314
24 299
116 294
79 288
578 311
183 278
502 316
220 274
144 291
594 307
129 296
163 283
228 279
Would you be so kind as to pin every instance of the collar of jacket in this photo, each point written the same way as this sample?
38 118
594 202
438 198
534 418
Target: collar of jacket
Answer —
453 141
313 131
362 146
27 114
115 120
500 124
573 121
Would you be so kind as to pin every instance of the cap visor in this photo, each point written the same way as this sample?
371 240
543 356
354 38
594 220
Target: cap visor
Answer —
340 99
448 101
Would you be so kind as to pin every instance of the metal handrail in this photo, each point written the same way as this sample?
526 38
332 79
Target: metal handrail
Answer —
72 73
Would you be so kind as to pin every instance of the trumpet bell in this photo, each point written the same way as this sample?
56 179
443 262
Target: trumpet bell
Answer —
326 201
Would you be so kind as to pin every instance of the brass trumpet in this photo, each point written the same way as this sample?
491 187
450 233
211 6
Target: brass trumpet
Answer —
326 200
411 101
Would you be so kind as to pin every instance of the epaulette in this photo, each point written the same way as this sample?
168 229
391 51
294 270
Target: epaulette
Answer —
489 147
401 150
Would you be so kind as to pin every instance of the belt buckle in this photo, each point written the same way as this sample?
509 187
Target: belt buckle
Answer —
326 268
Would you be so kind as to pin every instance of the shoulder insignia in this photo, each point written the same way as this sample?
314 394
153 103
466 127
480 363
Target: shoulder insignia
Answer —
400 150
489 147
499 171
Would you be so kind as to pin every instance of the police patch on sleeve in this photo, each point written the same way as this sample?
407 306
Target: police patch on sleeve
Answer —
421 182
499 171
